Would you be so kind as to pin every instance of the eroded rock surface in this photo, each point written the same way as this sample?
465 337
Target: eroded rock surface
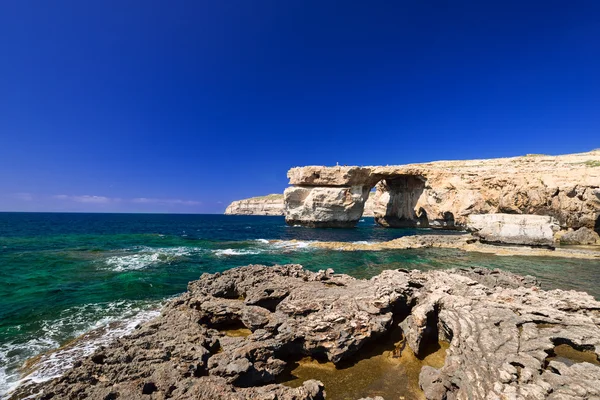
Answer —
502 330
271 204
466 242
443 194
584 236
536 230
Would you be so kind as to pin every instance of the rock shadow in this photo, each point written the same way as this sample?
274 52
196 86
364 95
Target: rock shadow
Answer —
384 367
400 195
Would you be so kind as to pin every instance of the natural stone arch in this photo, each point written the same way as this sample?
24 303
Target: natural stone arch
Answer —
335 196
396 202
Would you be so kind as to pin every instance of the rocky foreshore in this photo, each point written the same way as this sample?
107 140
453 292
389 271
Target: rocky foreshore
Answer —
239 334
465 242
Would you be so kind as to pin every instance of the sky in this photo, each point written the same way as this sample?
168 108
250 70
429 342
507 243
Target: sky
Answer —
185 106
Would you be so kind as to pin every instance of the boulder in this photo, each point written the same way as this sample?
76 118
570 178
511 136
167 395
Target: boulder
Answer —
580 236
531 230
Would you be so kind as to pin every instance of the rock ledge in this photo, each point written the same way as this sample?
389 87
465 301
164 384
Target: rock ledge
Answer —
504 334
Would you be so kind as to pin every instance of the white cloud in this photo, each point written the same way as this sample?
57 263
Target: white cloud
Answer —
146 200
88 199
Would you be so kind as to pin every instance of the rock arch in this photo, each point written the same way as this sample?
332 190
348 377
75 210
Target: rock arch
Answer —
396 201
444 194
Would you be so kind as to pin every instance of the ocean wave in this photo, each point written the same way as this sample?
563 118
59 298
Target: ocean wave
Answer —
263 241
93 325
147 256
235 252
292 244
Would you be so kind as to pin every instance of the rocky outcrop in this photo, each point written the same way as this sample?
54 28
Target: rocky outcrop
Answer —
507 338
525 229
443 194
583 235
263 205
465 242
273 205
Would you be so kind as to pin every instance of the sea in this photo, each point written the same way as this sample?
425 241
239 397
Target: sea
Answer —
64 275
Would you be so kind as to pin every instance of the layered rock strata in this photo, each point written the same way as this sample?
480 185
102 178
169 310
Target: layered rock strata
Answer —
443 194
537 230
264 205
273 205
465 242
504 333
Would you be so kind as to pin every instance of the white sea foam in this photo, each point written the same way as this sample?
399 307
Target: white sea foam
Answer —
116 320
292 244
147 256
235 252
264 241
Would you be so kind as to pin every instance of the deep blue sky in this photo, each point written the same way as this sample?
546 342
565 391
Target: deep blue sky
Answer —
183 106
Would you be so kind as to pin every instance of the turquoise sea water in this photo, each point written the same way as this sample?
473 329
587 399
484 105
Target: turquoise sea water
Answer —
62 275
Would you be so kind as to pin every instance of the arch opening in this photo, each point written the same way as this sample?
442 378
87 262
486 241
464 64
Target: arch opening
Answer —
396 200
597 225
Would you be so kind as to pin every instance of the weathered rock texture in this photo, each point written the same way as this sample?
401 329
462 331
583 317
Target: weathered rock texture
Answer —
264 205
526 229
580 236
273 205
502 329
466 242
443 194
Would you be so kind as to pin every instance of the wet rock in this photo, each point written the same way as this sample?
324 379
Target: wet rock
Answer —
502 329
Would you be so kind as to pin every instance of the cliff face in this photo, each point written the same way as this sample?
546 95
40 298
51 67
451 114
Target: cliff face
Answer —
263 205
443 194
273 205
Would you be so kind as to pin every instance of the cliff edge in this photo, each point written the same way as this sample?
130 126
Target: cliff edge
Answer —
272 204
444 194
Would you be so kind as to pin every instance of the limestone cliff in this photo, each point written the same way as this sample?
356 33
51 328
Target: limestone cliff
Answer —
264 205
273 205
443 194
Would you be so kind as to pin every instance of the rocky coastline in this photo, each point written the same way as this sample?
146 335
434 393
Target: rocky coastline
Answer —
272 204
240 334
464 242
444 194
533 200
